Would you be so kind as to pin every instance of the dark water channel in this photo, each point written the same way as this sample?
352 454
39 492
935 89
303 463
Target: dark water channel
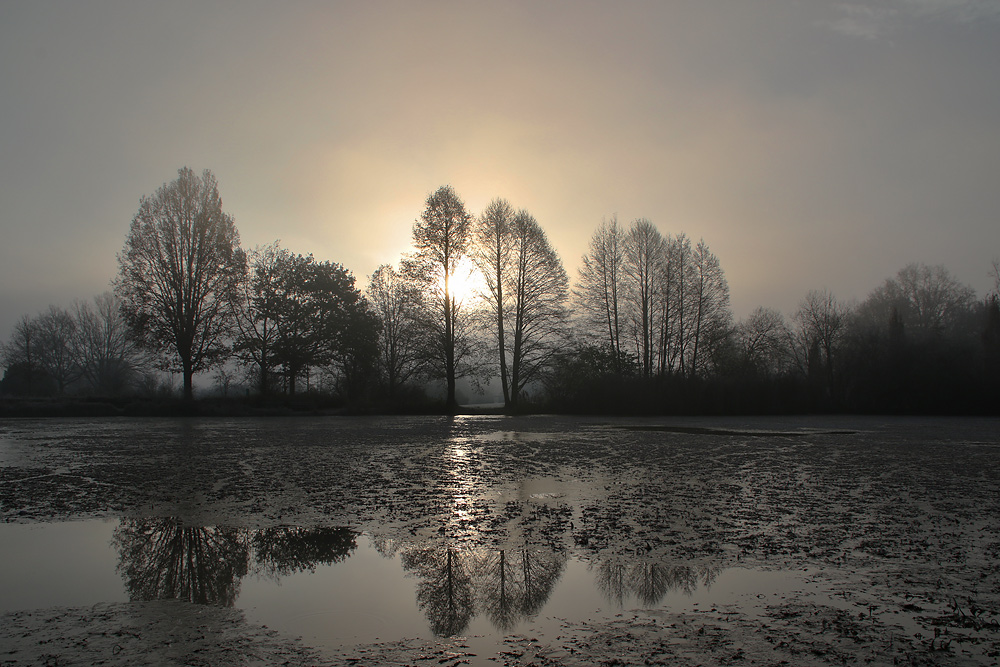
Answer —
348 531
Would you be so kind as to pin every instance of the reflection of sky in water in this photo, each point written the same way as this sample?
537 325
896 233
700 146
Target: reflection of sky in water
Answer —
372 593
61 564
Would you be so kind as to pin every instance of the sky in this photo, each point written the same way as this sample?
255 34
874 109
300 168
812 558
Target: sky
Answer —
812 145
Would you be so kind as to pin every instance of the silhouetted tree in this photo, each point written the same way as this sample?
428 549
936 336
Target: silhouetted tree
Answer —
441 238
395 300
302 339
492 254
108 356
676 306
710 316
763 338
911 345
315 308
598 292
538 288
55 333
664 324
178 274
356 358
20 357
927 299
645 255
991 341
256 311
821 321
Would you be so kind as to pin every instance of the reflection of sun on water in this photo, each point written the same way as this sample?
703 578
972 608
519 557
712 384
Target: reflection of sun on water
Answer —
461 496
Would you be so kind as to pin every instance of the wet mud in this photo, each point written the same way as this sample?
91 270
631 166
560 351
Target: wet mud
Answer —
890 525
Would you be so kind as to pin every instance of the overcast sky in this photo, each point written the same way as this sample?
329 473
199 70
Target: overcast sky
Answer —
811 144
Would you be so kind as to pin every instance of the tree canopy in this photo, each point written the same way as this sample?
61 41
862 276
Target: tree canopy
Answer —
178 274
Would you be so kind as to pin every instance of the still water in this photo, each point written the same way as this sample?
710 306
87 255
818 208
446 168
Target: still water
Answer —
337 587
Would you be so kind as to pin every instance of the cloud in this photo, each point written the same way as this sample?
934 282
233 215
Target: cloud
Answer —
963 11
862 20
868 21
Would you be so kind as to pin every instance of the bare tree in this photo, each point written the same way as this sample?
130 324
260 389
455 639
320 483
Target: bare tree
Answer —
673 297
927 299
109 357
710 297
821 321
763 338
56 333
645 254
255 311
492 254
538 286
393 300
20 357
598 289
178 274
441 238
676 305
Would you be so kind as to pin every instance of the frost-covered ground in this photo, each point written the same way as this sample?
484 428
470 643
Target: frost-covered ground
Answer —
890 526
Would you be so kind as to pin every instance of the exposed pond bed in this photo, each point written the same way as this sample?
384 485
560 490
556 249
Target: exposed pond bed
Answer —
496 540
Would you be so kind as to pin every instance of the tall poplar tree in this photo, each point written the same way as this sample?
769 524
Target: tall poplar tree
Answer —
539 288
599 289
441 238
492 254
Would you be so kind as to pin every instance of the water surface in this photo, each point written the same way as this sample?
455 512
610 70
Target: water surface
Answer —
351 530
336 586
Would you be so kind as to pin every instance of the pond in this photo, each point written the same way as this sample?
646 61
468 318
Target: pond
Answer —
859 538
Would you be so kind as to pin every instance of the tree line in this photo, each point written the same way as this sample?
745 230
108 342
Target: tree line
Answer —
645 327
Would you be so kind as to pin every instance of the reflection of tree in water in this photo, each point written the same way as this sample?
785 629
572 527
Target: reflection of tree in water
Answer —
386 546
445 590
163 559
456 584
514 585
284 550
649 581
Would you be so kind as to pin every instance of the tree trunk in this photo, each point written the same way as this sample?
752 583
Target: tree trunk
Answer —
188 382
503 352
449 349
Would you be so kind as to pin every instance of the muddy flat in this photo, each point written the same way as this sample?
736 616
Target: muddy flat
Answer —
498 540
